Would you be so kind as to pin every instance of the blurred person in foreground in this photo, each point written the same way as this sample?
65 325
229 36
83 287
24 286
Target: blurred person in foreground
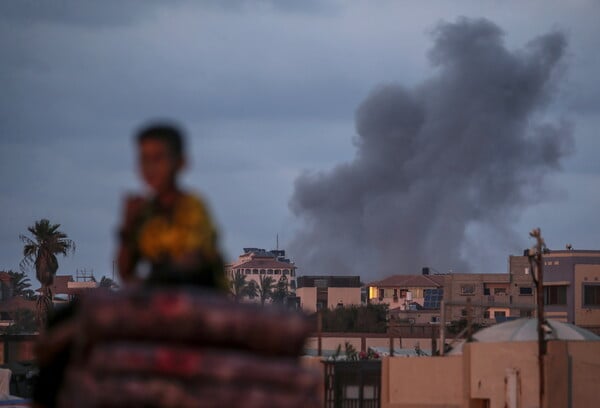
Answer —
168 231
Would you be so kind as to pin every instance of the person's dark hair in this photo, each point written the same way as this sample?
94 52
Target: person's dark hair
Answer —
170 134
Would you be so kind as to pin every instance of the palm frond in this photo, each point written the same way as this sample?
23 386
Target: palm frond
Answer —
47 241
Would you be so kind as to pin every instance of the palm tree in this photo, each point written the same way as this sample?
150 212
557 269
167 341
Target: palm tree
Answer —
265 288
280 291
41 250
238 286
21 284
251 290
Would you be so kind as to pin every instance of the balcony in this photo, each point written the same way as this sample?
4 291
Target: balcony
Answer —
499 299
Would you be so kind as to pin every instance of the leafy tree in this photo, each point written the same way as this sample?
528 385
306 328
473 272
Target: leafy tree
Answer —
363 319
265 288
40 250
280 291
21 284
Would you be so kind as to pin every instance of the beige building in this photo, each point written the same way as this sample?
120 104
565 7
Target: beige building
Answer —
256 262
404 290
319 292
495 375
571 285
492 296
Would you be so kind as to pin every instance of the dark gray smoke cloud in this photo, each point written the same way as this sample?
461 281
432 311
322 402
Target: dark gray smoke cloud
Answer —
466 146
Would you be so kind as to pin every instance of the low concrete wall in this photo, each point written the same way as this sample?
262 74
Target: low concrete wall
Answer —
488 364
495 375
432 382
331 341
584 358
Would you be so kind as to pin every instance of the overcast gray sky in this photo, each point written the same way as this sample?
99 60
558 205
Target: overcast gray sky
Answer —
267 90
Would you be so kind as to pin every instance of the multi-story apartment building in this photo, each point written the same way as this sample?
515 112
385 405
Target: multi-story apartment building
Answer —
571 285
255 262
491 296
319 292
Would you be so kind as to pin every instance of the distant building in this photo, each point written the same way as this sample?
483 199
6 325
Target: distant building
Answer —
412 299
65 288
571 285
499 374
493 296
408 291
256 262
328 292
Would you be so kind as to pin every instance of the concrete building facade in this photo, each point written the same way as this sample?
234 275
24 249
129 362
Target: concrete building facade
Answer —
571 285
412 299
328 292
407 291
492 296
495 375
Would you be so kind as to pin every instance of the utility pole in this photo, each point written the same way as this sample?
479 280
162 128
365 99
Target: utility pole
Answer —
442 328
535 260
319 332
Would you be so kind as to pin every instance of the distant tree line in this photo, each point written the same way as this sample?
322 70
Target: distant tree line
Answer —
266 288
358 319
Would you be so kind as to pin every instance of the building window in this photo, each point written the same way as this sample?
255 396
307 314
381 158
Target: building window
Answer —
486 291
247 271
525 291
499 313
555 295
286 271
499 291
254 271
432 298
591 295
262 271
269 271
277 271
467 290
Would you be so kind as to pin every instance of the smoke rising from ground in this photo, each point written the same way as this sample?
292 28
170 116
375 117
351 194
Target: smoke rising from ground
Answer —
466 146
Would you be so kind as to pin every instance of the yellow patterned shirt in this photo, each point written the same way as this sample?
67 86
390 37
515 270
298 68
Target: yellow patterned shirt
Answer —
167 239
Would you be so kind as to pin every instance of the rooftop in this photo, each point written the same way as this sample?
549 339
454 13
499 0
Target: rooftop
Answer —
329 281
411 281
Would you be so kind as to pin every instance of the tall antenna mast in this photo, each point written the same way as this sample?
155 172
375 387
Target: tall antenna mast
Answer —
277 242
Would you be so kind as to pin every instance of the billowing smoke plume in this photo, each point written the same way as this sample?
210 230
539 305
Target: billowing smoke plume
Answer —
466 146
